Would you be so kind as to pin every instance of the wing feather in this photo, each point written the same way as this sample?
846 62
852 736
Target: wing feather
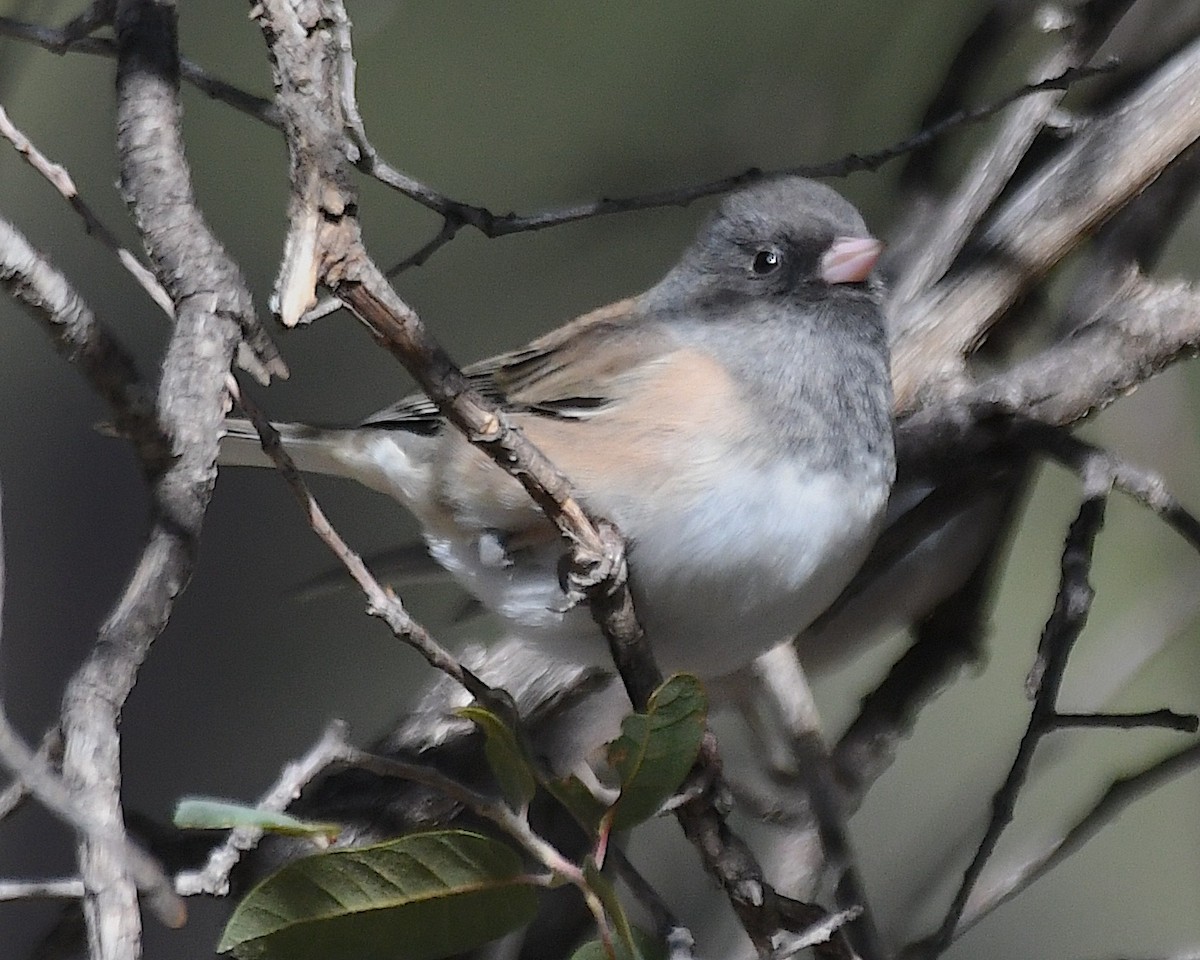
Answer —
564 374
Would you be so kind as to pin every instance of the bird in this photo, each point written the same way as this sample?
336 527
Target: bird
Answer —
733 421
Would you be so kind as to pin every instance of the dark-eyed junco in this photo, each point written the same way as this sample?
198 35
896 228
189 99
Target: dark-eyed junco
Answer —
734 421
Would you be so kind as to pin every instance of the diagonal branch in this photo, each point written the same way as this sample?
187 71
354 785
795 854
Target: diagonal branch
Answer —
1109 162
324 246
61 180
991 168
1119 795
381 602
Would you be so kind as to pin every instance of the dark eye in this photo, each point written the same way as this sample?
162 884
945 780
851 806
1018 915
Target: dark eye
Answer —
766 261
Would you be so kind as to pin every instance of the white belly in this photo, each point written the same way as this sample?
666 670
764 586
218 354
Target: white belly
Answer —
717 580
751 565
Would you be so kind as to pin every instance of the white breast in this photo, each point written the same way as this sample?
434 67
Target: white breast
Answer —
717 579
752 563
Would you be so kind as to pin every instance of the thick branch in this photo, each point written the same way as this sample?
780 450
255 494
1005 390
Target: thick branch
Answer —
79 338
1145 327
211 309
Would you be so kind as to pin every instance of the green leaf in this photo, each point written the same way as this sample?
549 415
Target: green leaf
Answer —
419 897
594 950
648 948
513 771
657 749
203 813
580 802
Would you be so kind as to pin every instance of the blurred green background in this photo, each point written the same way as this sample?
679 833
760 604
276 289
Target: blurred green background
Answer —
524 106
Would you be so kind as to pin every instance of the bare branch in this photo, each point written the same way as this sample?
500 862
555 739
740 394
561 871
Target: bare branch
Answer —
213 877
667 926
1119 795
78 337
1134 238
61 180
68 888
99 14
783 683
1145 486
816 935
49 752
947 637
417 258
61 41
1066 622
149 133
992 167
1109 162
212 310
1146 326
1159 719
381 602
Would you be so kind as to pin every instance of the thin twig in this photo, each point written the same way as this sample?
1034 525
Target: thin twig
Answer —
381 602
49 752
60 178
1119 795
514 824
448 232
1158 719
502 815
1066 622
67 888
1147 487
499 225
334 750
60 41
213 877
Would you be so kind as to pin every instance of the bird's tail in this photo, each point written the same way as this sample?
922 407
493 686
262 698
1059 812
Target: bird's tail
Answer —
309 446
392 462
